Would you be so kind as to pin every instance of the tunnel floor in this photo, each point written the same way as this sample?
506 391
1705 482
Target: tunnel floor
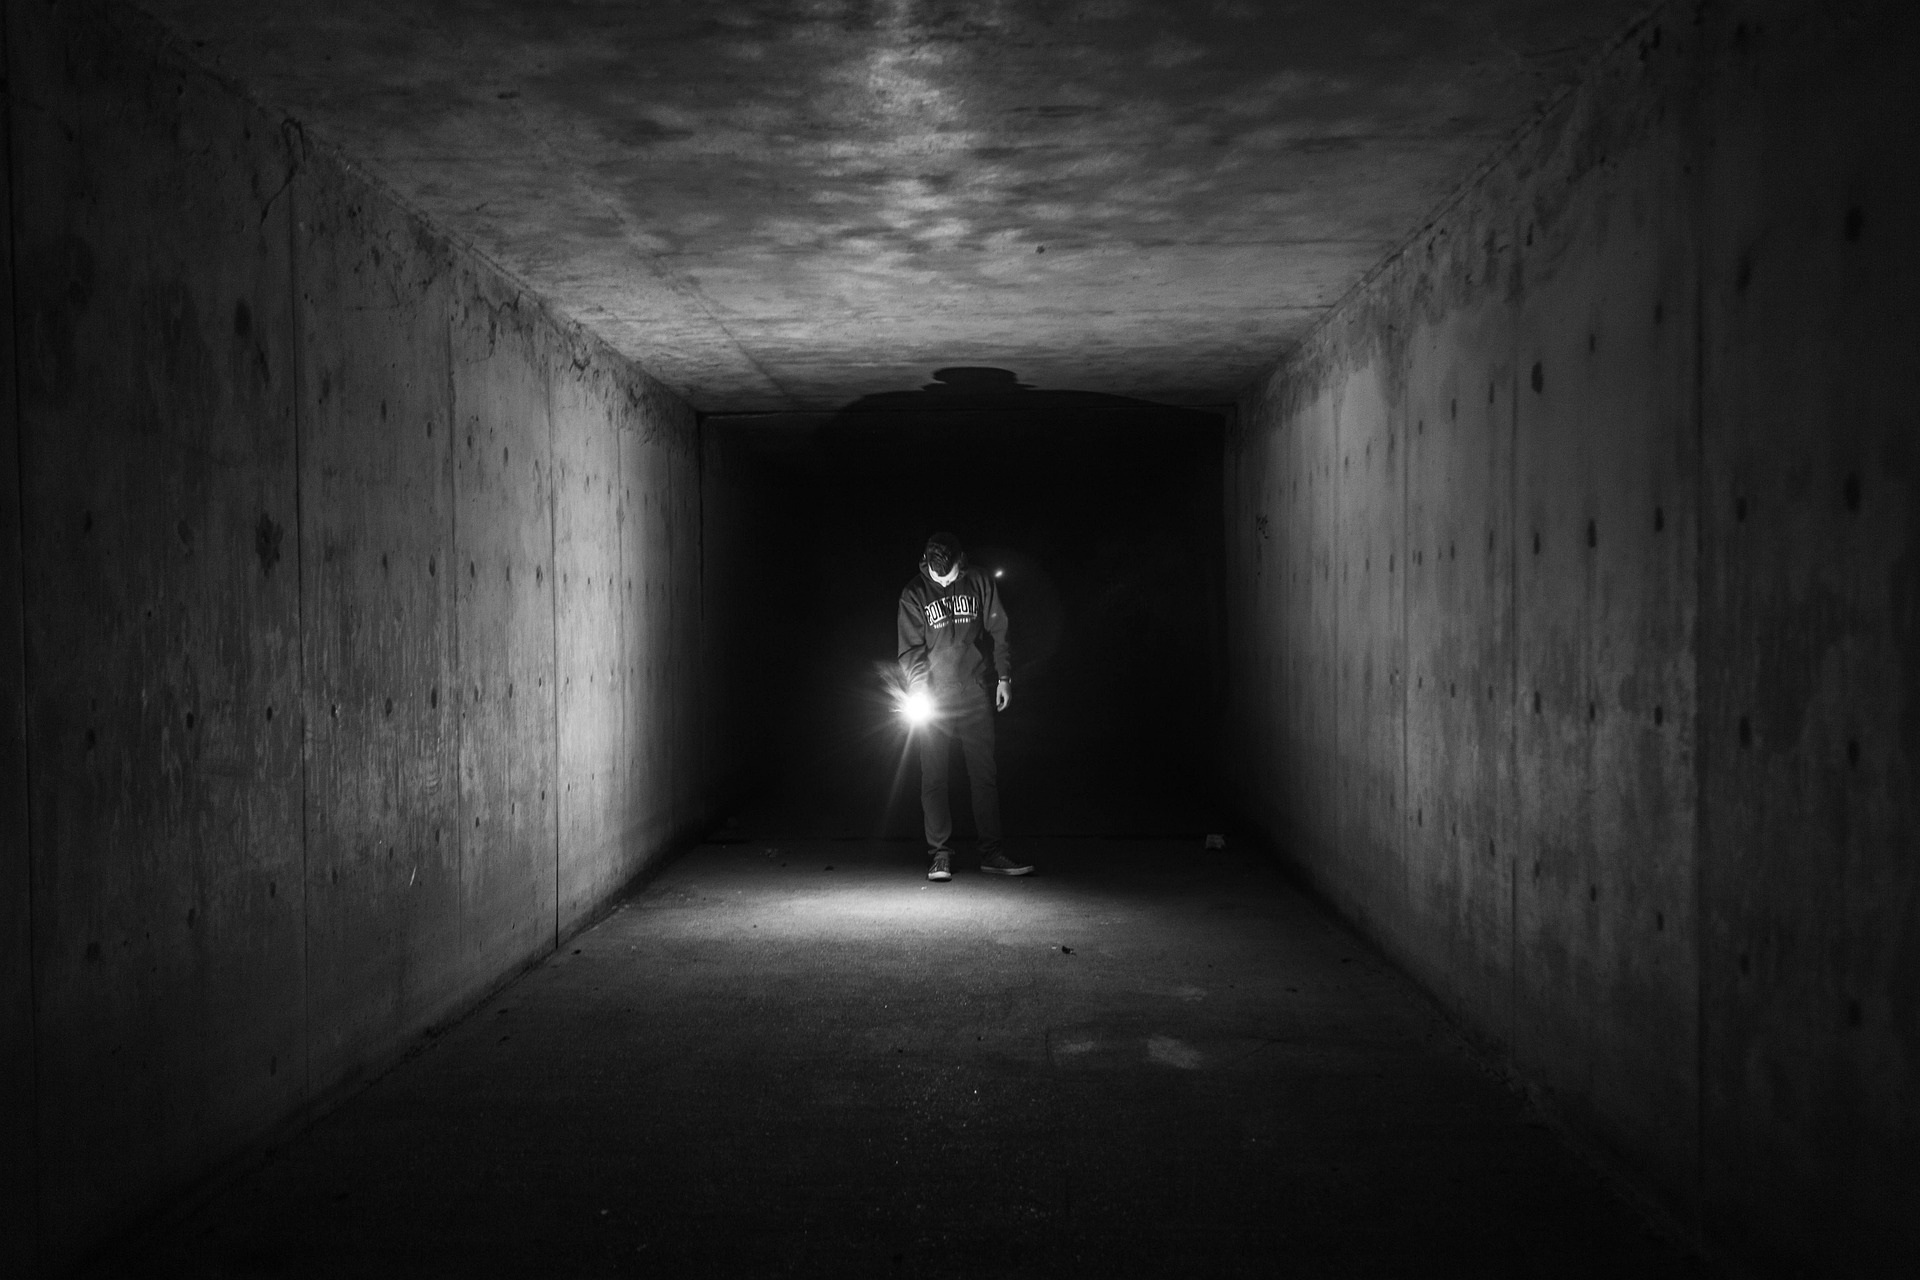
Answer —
804 1059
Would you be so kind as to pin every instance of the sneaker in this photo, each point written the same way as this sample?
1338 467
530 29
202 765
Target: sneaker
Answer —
1001 865
940 869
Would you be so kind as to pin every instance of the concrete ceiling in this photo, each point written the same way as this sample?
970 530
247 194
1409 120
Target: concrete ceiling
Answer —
789 205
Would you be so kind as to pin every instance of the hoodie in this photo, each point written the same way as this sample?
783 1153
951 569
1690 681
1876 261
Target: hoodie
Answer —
939 626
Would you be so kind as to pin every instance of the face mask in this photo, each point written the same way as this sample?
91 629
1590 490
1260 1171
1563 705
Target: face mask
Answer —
951 574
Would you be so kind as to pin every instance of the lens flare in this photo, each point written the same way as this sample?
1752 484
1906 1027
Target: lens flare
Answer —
916 706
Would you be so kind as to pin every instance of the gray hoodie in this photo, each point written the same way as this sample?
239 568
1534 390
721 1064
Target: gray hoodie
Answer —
939 626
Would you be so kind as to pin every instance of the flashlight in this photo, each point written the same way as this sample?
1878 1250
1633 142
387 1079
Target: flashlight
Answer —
916 707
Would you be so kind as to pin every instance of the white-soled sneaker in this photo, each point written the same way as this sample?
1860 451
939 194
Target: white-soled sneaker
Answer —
940 868
1001 865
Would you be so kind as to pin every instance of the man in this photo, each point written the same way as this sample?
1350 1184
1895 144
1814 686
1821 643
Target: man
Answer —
942 613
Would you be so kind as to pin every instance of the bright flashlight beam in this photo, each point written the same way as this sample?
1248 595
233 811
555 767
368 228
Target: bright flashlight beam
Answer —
917 707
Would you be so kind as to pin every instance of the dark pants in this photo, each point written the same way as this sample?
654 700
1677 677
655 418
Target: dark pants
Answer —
967 715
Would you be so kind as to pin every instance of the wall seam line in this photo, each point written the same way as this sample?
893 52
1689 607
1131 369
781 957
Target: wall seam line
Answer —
1335 594
1407 838
456 703
296 139
553 609
1514 709
623 824
707 770
1701 824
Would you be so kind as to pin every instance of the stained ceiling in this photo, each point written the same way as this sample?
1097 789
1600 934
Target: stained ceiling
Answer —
791 205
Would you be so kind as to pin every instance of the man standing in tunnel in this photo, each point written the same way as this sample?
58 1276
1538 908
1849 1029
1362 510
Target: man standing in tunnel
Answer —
943 612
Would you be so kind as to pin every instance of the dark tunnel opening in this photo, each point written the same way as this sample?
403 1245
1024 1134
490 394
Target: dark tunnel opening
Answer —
1100 516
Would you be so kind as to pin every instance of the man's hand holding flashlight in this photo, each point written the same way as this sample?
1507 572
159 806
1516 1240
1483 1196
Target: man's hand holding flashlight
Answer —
916 704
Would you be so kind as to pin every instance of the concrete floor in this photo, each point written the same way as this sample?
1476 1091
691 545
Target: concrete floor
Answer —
803 1059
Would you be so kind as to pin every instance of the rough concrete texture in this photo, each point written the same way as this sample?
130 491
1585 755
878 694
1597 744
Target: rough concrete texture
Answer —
356 642
756 199
162 593
383 843
806 1060
661 601
295 764
628 454
592 709
17 1244
503 362
1598 712
1809 698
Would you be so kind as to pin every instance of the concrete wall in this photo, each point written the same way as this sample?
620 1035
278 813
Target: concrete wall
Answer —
17 1177
349 628
1573 575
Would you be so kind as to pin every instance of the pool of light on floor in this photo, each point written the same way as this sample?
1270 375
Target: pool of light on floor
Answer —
727 899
